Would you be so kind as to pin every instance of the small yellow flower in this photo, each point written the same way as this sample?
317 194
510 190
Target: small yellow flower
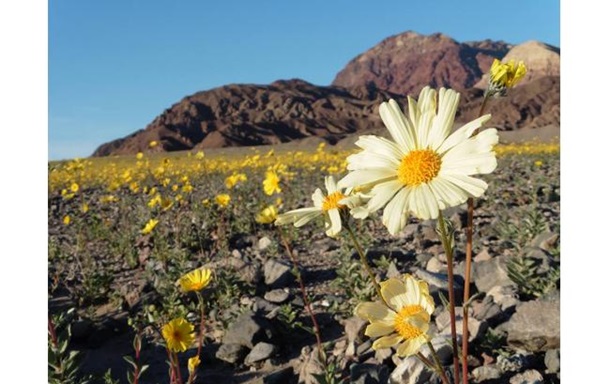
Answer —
74 187
84 208
199 155
193 364
538 163
178 335
267 215
405 323
153 144
223 200
235 178
66 220
148 228
195 280
139 156
205 202
504 76
271 184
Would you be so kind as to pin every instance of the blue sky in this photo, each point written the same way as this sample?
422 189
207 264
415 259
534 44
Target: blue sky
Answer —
115 65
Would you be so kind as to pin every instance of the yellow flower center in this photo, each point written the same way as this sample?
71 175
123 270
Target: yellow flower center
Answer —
419 166
402 325
332 201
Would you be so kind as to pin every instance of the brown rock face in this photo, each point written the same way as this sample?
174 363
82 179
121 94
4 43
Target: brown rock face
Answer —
244 115
407 62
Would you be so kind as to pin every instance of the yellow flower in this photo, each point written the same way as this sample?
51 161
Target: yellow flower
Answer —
84 208
426 168
193 364
538 163
504 76
152 223
66 220
195 280
271 184
205 202
405 323
74 187
178 335
267 215
139 156
199 155
235 178
153 144
223 200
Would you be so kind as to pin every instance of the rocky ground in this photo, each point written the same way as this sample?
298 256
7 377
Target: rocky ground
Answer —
514 322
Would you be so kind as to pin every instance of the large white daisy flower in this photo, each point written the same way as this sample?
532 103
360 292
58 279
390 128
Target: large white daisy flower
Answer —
328 206
426 168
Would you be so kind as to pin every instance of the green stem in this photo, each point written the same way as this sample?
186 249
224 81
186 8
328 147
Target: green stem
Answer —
364 261
449 252
439 366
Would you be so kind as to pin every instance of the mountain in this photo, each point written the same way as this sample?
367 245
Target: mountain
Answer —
288 110
245 115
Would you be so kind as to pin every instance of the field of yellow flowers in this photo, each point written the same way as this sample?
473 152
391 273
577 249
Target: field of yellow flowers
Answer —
123 230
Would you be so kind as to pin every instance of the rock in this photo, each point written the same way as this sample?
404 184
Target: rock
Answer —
488 274
278 274
393 270
476 328
515 363
248 330
277 296
535 326
410 371
487 310
263 243
285 375
368 374
261 351
354 328
482 256
435 266
551 360
486 372
528 377
231 353
505 296
263 306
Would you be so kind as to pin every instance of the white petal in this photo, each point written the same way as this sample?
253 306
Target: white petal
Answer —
472 156
380 145
375 311
318 198
366 176
295 215
370 160
306 218
423 203
387 341
379 329
395 214
411 347
382 193
397 124
463 133
448 101
474 187
394 293
447 194
335 222
331 184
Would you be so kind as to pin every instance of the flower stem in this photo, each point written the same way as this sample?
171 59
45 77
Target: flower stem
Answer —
449 253
201 324
306 301
439 366
364 261
469 229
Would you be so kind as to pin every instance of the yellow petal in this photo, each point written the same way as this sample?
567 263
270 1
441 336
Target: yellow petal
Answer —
387 341
378 328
